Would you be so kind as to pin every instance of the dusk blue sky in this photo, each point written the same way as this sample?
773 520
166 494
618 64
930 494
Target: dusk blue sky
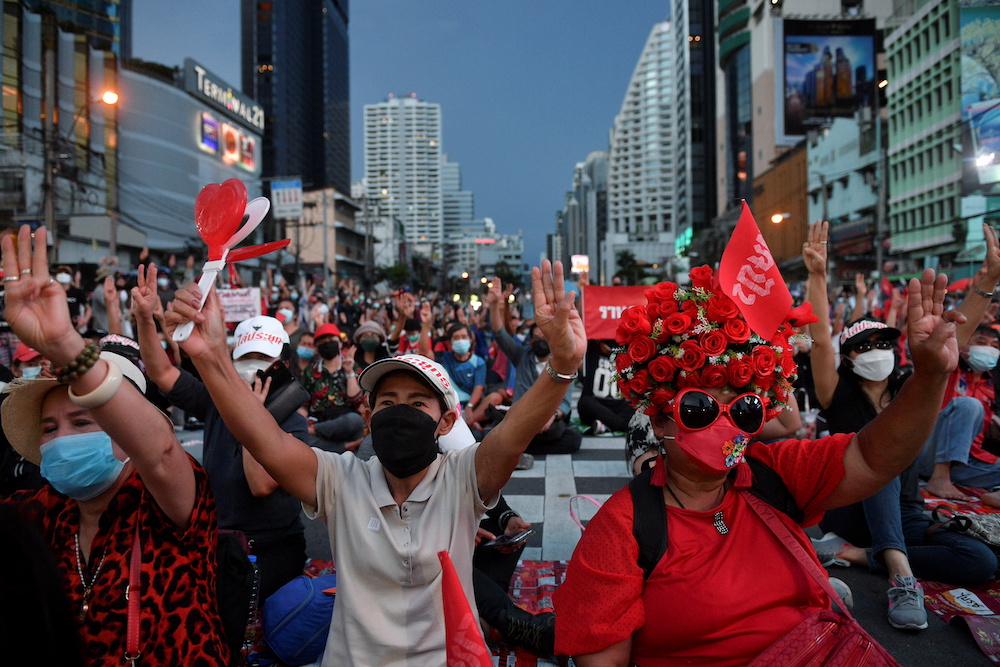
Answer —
527 88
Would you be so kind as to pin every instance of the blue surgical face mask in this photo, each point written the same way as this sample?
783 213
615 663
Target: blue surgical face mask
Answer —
295 296
461 347
306 353
31 372
81 466
288 313
982 358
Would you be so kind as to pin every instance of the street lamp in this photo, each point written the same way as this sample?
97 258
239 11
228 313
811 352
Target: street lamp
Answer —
778 218
52 138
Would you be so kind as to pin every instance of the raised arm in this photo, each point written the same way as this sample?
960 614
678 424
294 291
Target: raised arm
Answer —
984 283
559 320
860 297
291 462
144 299
37 312
424 347
891 441
113 305
824 366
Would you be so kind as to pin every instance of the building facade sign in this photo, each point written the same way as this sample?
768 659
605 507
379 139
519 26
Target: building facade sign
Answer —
206 86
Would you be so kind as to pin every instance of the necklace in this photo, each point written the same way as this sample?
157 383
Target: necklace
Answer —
717 520
674 496
87 587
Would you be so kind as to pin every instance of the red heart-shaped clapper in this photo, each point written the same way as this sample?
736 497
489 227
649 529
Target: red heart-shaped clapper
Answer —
218 213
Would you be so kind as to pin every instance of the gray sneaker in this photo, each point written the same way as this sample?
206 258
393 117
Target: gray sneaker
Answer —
845 593
828 549
906 604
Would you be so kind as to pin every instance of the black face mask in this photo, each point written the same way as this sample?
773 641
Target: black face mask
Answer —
540 348
328 350
403 439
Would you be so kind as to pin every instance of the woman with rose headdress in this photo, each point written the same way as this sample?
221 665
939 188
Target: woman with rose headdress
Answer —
727 587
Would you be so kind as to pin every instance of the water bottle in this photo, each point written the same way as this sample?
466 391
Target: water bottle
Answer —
250 634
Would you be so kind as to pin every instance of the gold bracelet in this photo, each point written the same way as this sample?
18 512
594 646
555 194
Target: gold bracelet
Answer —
103 393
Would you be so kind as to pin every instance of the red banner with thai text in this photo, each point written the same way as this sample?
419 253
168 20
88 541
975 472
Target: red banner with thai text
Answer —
603 307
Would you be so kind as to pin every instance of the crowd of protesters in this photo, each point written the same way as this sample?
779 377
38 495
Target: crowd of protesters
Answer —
386 395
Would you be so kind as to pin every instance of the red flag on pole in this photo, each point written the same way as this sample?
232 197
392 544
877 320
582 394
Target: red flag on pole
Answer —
463 637
749 276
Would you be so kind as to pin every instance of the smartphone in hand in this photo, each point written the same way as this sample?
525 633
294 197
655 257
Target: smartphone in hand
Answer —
509 540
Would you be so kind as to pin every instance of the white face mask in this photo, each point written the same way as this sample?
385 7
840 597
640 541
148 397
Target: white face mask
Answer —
64 278
982 358
874 365
247 368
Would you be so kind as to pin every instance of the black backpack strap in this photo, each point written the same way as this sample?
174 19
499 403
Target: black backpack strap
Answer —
769 487
649 521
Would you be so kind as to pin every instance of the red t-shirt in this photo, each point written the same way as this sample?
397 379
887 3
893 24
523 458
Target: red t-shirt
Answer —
978 386
178 621
713 599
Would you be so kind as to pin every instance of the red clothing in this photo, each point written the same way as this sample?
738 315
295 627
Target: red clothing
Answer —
179 624
713 599
980 387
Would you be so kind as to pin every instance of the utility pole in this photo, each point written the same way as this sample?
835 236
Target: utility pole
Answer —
882 202
49 141
326 253
298 247
369 259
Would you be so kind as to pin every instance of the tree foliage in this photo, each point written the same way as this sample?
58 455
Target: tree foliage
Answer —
396 275
629 268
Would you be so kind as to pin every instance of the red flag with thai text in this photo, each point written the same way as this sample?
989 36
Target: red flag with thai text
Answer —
463 637
749 276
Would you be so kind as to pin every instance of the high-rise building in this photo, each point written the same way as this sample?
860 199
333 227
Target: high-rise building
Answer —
586 212
295 63
642 195
403 167
457 205
107 24
696 170
750 60
929 219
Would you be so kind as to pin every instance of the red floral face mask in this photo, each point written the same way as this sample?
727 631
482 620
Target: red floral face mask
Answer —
718 447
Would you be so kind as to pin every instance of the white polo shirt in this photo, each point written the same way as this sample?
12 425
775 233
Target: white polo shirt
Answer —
389 609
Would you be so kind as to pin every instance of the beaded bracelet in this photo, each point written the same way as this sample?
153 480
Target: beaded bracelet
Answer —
83 363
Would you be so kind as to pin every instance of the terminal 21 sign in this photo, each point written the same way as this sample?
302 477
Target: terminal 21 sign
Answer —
234 133
212 89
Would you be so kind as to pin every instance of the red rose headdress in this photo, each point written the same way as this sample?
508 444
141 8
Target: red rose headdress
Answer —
697 337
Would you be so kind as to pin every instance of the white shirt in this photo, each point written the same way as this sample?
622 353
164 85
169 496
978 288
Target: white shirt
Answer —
389 609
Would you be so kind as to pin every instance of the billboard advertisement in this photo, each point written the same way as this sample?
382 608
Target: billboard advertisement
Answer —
980 47
230 142
829 71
